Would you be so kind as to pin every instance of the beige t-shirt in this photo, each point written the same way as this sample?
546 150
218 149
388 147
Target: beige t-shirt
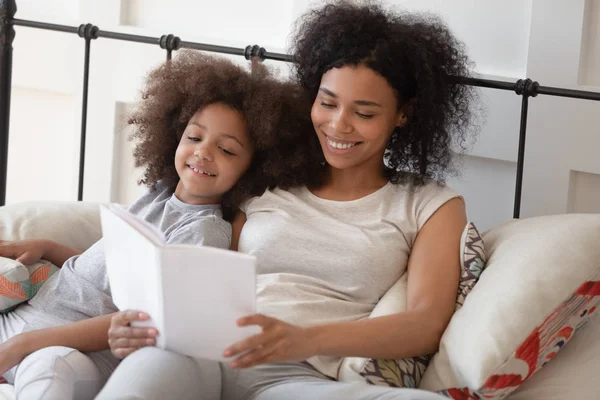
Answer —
323 261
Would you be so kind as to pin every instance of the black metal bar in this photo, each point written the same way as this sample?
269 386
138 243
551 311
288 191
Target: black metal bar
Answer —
212 48
86 77
486 83
480 82
45 25
574 94
169 43
521 156
8 9
526 88
127 37
88 32
278 56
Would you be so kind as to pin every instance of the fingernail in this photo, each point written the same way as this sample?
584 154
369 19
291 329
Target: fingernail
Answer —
152 332
234 364
227 353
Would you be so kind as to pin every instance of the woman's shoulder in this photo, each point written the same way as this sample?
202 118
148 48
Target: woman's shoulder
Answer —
422 200
423 191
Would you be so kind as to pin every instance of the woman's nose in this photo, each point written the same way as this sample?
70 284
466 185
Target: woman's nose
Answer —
340 123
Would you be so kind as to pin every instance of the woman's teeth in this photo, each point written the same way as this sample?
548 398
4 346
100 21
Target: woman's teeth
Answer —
341 146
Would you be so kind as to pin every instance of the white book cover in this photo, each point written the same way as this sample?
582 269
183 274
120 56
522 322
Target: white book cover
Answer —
193 294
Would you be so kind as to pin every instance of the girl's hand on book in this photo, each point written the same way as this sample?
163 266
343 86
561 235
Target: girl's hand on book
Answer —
278 341
25 251
124 339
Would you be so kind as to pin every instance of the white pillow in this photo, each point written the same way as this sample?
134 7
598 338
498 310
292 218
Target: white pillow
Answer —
541 283
74 224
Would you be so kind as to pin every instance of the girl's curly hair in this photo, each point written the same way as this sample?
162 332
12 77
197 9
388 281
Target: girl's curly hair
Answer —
277 115
416 53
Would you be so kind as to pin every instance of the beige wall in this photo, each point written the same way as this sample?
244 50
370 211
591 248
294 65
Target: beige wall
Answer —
557 43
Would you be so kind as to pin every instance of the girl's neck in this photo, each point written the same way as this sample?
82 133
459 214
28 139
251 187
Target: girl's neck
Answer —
351 184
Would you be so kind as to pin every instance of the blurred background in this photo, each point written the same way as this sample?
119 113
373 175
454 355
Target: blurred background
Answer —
554 42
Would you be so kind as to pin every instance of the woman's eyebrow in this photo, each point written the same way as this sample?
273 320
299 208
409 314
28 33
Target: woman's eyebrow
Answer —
358 102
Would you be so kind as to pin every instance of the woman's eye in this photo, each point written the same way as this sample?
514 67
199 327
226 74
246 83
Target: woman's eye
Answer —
194 139
327 105
365 116
224 150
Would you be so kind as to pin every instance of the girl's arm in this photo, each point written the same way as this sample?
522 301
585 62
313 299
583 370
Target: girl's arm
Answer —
86 336
57 254
30 251
90 335
433 275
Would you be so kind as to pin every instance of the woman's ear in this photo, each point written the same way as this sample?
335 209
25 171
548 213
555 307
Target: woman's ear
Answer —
403 114
401 120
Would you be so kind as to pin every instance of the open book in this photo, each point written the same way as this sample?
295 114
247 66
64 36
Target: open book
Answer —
194 294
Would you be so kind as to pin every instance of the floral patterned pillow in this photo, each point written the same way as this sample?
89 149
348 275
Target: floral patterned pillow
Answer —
542 283
19 283
409 371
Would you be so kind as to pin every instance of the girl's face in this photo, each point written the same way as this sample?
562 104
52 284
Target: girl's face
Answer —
214 152
354 115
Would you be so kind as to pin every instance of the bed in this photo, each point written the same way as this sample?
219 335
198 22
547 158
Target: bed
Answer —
571 374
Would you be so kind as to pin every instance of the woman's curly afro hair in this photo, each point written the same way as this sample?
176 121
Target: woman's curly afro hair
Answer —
416 53
277 115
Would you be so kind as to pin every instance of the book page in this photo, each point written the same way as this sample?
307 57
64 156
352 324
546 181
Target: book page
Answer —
132 264
206 290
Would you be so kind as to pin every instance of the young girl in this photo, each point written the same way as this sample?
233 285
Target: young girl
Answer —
209 135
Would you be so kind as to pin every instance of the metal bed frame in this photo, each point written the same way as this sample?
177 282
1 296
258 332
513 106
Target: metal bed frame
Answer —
525 88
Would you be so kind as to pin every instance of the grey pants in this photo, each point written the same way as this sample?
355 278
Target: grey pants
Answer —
152 373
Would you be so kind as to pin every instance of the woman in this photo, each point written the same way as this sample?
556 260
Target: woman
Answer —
386 117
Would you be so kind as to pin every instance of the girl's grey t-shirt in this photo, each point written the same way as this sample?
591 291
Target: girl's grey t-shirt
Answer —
80 289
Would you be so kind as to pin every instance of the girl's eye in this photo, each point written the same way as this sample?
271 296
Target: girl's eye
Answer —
194 139
327 105
224 150
365 116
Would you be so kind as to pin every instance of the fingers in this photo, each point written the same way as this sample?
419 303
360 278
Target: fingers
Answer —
250 343
121 353
7 249
27 258
124 318
124 339
255 357
125 342
257 319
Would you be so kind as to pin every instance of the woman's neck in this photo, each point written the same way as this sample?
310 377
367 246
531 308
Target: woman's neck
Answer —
351 184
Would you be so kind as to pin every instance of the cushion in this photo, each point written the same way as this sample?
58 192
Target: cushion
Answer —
540 285
73 224
19 283
409 371
572 374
